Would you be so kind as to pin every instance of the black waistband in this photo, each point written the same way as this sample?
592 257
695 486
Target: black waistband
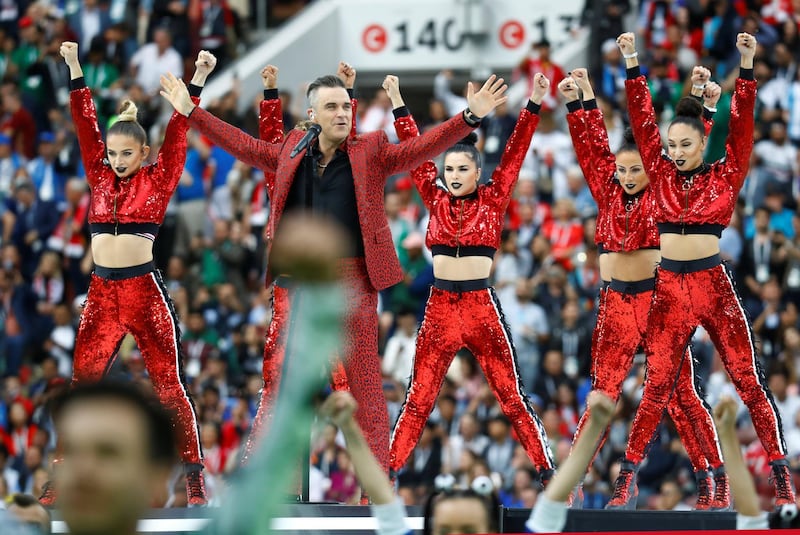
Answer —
124 228
691 266
122 273
683 228
633 287
464 250
461 286
604 284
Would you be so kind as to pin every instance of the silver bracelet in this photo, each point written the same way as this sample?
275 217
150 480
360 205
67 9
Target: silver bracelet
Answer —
629 56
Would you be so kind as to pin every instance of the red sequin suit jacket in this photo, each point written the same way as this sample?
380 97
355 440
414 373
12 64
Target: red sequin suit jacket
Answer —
372 158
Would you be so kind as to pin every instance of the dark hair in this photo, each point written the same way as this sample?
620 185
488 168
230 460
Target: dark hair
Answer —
158 424
328 80
467 145
126 123
29 500
628 142
23 500
490 506
689 112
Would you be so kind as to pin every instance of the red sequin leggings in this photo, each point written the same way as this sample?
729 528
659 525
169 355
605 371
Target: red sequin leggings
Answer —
471 319
621 327
687 294
134 300
361 352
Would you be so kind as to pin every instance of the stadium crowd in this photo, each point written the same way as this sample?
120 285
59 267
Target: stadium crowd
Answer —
210 248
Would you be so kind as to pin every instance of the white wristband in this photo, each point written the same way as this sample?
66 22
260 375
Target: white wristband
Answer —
629 56
698 86
712 110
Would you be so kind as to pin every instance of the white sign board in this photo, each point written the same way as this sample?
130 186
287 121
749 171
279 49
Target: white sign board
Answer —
426 34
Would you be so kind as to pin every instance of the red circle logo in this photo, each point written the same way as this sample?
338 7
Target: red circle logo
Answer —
374 38
512 34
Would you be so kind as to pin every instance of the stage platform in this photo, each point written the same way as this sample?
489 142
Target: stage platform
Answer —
322 519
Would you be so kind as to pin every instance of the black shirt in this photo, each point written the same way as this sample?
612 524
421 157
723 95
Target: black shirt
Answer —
331 193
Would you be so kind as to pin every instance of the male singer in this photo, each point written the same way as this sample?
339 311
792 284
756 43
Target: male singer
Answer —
344 180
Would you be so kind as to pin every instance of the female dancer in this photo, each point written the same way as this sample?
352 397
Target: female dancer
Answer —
126 293
695 201
628 238
463 310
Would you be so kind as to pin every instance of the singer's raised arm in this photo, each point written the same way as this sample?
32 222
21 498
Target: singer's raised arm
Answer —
234 141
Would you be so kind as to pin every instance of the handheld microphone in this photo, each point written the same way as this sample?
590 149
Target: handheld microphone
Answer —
311 134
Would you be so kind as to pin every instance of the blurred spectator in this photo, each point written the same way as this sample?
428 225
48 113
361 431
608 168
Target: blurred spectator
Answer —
46 171
398 357
424 464
19 318
548 159
70 237
778 158
87 19
610 75
379 116
216 24
670 497
604 19
413 290
171 16
530 331
565 233
759 259
787 399
17 122
343 483
442 91
551 377
12 165
10 475
573 338
33 221
500 451
157 58
496 129
539 60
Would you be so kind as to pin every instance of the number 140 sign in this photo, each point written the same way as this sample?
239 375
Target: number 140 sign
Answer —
438 34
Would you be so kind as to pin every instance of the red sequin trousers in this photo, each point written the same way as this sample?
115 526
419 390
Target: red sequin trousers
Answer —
681 302
361 351
473 320
140 306
621 327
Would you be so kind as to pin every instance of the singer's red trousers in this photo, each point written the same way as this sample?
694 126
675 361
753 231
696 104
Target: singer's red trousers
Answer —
359 372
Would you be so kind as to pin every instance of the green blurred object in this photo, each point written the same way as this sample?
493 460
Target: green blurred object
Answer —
257 493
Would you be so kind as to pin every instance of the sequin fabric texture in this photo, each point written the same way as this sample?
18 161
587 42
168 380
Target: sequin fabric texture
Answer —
707 297
471 319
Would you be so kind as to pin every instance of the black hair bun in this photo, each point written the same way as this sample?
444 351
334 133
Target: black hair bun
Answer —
627 137
689 107
471 139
